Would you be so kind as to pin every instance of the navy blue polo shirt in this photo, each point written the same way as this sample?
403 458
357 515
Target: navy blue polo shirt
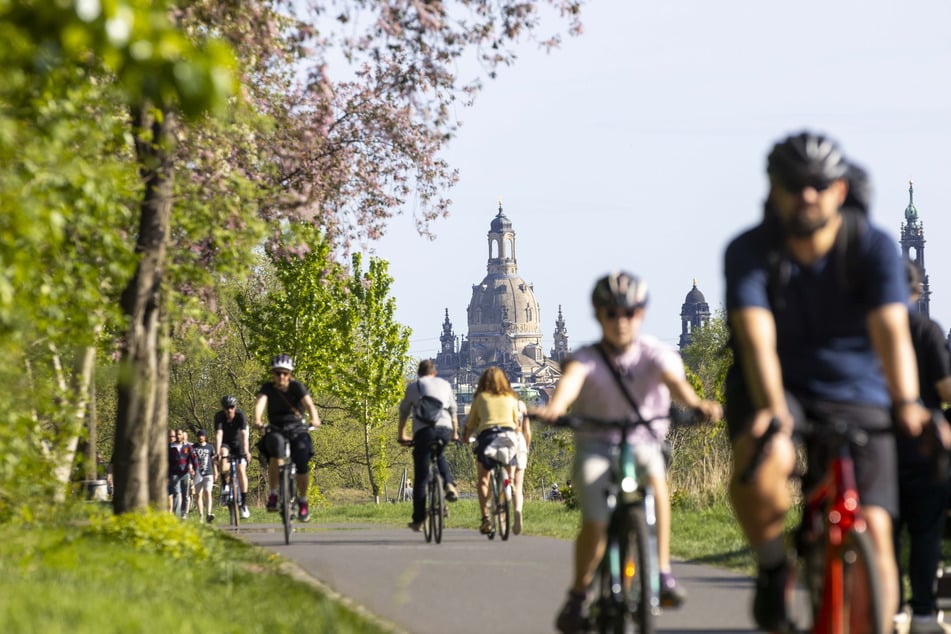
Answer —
822 336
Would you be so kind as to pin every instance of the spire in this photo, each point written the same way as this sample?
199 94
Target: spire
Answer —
911 212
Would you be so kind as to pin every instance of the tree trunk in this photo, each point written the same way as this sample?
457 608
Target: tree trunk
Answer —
68 436
138 475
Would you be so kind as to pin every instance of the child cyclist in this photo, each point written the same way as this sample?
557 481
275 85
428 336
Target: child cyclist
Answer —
652 374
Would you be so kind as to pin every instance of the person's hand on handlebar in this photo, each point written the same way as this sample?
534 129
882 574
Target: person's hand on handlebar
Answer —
709 411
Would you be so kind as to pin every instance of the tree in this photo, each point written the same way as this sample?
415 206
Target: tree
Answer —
369 376
708 356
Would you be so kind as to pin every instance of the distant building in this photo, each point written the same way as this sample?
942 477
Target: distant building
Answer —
694 313
504 327
913 248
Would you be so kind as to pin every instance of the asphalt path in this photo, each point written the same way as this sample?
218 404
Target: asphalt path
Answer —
471 585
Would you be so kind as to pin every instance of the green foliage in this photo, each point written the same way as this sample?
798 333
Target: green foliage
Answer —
159 532
708 357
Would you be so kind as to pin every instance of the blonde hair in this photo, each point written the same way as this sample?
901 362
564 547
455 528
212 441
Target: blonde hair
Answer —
494 381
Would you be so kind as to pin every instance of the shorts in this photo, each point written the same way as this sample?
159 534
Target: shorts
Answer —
521 453
594 459
204 483
302 446
486 438
875 463
235 450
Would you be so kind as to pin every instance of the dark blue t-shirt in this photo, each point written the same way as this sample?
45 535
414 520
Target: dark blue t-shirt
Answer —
822 336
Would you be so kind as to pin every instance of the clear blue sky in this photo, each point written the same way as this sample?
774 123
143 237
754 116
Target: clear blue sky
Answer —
641 145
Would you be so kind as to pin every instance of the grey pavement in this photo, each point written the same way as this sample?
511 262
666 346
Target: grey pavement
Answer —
471 585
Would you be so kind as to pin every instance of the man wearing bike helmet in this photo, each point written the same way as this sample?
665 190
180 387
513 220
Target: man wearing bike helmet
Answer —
815 300
653 374
231 443
285 400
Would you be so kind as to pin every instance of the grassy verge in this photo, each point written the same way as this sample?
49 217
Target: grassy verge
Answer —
152 573
92 572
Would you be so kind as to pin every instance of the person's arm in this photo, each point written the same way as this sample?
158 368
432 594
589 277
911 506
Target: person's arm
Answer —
473 419
312 409
891 339
754 331
259 406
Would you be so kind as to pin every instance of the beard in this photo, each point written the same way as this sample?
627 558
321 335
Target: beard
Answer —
802 226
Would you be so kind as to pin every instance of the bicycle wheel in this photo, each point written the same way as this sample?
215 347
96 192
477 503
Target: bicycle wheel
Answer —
638 572
428 518
234 510
436 504
286 496
502 519
493 503
851 593
604 614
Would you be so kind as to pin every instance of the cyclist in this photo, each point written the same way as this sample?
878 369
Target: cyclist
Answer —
815 300
922 493
285 399
653 373
231 439
446 428
495 410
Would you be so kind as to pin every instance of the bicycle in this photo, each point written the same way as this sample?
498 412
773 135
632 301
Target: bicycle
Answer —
626 584
435 493
232 497
287 481
832 542
500 492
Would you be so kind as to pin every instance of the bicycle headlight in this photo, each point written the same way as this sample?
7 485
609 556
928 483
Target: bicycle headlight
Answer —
628 484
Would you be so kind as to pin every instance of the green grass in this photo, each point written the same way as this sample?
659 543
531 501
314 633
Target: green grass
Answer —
92 572
152 573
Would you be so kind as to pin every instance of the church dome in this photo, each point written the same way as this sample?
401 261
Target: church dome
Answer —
500 223
695 296
503 305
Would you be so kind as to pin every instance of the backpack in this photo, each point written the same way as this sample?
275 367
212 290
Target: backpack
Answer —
428 409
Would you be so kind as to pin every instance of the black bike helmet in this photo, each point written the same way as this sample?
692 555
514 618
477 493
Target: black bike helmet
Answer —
228 401
806 158
619 290
282 362
860 189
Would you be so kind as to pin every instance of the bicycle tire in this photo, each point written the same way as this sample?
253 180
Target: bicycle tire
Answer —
502 516
852 568
438 503
286 496
428 518
493 502
638 573
234 510
602 612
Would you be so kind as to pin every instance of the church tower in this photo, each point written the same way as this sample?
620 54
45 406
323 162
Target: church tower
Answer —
694 313
913 248
447 358
504 326
560 351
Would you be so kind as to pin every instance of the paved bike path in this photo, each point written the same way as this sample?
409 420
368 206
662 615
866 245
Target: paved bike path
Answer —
471 585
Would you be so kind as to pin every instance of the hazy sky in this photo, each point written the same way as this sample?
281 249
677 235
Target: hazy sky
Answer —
642 144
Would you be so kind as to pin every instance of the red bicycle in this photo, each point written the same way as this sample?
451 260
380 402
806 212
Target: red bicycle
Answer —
832 543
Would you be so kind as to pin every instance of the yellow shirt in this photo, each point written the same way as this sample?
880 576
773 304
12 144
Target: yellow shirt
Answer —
491 410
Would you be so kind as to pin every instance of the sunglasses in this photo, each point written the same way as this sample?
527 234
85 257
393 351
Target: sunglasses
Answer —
231 407
794 186
280 372
614 313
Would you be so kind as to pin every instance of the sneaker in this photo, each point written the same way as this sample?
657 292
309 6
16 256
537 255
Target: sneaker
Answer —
769 602
671 594
517 524
225 494
486 527
451 493
245 513
571 618
415 526
303 514
272 503
211 518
